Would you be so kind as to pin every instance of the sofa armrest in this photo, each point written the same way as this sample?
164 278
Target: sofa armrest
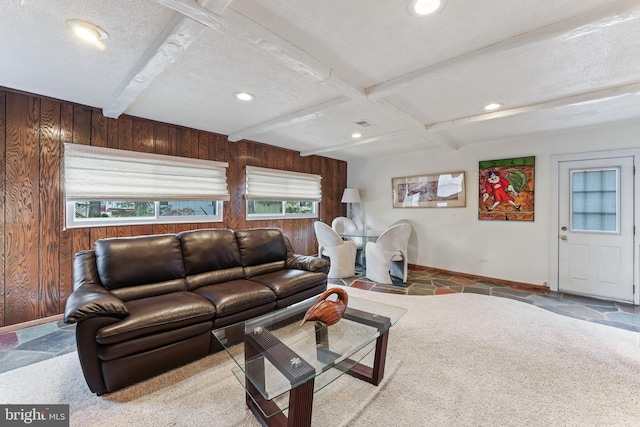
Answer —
308 262
305 262
91 300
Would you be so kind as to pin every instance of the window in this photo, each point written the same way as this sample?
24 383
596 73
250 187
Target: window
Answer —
104 213
116 187
595 200
273 193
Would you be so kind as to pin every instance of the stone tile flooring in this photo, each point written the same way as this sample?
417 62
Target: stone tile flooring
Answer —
434 282
37 343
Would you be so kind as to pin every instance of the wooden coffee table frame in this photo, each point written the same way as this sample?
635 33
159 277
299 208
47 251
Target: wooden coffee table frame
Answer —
298 371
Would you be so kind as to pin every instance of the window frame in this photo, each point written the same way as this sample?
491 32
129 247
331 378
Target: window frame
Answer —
284 215
73 222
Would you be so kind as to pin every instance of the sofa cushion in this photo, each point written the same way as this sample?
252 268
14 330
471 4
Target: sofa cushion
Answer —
290 281
208 250
132 261
150 342
158 314
261 246
236 296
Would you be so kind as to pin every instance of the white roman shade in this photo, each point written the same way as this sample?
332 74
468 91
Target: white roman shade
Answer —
275 184
96 173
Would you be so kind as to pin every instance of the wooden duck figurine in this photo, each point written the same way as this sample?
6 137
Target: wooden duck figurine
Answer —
326 311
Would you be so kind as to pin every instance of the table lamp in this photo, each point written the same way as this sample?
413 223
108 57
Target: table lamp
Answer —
351 195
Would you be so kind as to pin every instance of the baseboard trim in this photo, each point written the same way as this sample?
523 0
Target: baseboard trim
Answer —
30 323
476 277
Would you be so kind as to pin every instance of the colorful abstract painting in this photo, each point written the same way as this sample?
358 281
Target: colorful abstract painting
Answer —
506 189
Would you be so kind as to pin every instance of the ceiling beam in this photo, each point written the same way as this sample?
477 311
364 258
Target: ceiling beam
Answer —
176 37
243 29
576 99
420 127
378 138
575 26
313 112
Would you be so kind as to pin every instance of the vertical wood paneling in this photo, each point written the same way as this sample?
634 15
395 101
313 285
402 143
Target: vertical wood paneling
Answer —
125 133
235 211
66 236
36 253
49 220
3 168
99 131
143 136
183 142
113 132
22 199
161 138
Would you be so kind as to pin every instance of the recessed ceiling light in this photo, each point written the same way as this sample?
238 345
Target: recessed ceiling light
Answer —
88 32
425 7
356 135
492 106
244 96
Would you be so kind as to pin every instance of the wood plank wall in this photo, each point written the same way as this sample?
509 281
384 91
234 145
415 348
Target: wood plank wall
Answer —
36 254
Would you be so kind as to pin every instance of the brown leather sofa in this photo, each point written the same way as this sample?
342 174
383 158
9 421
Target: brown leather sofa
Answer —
147 304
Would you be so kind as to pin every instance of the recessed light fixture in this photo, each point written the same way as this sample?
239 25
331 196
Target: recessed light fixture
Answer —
424 7
492 106
88 32
356 135
244 96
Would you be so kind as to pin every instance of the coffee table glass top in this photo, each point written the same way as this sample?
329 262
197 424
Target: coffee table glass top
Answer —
297 353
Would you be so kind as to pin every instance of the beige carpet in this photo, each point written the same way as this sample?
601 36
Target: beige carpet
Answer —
453 360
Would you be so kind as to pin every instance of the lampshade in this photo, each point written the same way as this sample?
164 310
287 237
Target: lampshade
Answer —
351 195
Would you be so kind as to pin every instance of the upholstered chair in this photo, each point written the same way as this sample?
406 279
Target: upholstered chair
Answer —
342 224
341 253
387 256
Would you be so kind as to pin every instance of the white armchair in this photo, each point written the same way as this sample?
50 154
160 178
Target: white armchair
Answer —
389 254
342 224
341 253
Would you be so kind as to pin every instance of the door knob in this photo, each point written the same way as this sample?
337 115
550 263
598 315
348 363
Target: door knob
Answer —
563 237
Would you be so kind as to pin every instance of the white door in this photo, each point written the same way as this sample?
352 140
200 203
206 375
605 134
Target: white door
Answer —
595 236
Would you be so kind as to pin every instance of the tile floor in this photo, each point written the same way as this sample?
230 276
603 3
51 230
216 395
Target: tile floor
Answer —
37 343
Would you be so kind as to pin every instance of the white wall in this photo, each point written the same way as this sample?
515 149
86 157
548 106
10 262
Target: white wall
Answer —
453 238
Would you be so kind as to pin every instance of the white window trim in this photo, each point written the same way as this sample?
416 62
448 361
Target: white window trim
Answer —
73 222
284 215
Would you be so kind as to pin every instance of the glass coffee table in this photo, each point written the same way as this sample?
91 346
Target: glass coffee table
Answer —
276 357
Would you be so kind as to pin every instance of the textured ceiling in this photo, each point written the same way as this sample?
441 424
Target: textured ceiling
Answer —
318 67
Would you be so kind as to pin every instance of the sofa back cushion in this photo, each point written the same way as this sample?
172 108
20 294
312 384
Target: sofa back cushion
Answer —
263 250
140 266
210 256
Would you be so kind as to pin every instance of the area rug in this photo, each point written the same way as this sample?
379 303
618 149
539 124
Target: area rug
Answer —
453 360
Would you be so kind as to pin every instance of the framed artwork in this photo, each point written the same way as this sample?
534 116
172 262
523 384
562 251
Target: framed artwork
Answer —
506 189
440 190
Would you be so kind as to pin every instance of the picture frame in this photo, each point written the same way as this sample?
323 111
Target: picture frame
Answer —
438 190
506 189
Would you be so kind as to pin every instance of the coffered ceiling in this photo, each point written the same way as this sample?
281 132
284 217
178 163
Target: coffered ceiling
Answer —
323 70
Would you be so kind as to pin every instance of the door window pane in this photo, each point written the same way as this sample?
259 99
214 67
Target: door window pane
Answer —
594 200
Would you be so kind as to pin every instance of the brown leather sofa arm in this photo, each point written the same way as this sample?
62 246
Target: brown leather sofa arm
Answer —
92 300
308 262
305 262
